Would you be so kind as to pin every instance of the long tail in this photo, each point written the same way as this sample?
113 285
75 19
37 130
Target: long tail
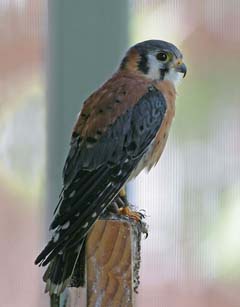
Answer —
74 219
60 269
54 300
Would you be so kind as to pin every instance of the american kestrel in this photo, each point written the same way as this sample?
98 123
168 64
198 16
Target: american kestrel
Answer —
121 130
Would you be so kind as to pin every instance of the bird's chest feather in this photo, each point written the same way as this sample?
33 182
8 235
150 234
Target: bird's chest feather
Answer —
154 153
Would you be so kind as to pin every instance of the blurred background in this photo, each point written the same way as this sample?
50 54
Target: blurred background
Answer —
52 56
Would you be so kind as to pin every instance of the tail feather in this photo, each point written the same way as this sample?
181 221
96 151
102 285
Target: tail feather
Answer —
78 276
60 270
62 252
54 300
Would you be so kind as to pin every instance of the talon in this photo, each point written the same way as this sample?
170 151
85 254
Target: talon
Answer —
126 211
143 214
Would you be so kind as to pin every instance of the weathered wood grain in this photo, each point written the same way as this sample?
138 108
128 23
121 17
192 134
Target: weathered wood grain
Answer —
112 266
109 265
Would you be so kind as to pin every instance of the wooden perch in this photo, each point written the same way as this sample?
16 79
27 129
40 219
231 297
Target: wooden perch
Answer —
112 266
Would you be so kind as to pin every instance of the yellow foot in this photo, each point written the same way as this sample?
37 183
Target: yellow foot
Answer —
126 211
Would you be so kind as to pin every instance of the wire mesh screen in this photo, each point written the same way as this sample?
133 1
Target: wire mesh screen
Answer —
192 255
22 149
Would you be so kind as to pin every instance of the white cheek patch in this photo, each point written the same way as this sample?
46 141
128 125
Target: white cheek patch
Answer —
174 76
153 64
154 71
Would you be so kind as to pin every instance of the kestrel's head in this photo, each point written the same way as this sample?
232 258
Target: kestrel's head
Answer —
156 60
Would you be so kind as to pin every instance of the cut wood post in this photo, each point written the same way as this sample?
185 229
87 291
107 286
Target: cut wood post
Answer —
112 266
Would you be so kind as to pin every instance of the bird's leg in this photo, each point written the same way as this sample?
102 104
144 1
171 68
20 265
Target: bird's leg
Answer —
122 199
125 207
121 206
113 207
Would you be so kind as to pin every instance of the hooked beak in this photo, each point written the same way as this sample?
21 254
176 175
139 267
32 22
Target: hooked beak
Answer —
181 67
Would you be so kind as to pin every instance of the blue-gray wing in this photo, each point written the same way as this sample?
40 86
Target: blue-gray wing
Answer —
97 168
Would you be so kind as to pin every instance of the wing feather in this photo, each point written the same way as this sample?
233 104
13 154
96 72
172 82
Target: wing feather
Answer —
98 167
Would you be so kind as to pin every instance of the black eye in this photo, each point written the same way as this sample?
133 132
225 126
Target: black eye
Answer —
162 56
